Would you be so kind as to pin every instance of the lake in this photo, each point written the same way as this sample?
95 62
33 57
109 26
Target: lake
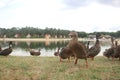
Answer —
47 47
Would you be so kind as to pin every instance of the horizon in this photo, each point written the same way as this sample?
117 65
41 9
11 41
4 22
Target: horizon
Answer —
56 29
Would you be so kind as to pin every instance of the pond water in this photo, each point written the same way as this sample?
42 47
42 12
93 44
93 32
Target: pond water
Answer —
47 48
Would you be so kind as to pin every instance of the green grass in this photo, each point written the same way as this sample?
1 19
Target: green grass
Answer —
49 68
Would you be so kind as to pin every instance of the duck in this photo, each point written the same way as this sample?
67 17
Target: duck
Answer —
116 51
7 51
65 53
95 49
110 51
78 49
34 53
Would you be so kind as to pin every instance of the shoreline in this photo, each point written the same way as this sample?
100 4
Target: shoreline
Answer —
32 39
51 39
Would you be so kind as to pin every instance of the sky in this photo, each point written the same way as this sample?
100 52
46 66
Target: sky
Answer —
78 15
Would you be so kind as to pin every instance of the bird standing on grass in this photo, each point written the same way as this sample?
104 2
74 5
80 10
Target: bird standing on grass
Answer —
94 50
64 53
110 51
116 51
7 51
78 49
113 51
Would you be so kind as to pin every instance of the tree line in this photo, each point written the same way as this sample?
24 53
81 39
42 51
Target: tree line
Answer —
40 33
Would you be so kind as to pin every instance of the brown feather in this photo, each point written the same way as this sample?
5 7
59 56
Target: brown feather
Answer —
77 48
35 53
6 51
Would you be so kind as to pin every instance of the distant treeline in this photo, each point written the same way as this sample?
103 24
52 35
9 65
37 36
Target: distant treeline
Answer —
40 33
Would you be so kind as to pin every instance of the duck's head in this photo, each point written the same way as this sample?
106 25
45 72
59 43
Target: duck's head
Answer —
10 44
98 35
73 34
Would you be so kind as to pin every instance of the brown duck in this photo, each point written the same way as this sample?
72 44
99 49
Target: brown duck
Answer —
35 53
116 51
78 49
110 51
65 53
94 50
6 51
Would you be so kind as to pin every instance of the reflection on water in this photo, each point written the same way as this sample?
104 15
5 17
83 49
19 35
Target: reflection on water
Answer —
47 48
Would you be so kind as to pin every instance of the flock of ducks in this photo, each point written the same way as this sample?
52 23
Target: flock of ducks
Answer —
113 51
81 51
7 51
76 49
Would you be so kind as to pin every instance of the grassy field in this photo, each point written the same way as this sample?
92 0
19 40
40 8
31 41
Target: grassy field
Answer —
49 68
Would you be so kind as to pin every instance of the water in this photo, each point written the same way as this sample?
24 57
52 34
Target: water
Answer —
47 48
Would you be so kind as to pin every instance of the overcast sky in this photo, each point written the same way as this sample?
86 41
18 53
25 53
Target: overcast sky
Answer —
78 15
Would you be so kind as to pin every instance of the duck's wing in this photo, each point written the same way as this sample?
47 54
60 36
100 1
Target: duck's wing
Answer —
93 51
6 51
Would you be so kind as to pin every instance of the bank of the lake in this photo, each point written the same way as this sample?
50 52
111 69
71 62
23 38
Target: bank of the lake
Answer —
32 39
49 68
50 39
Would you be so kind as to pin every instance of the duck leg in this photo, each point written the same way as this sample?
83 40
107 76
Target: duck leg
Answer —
92 58
60 59
68 59
76 59
112 58
86 62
